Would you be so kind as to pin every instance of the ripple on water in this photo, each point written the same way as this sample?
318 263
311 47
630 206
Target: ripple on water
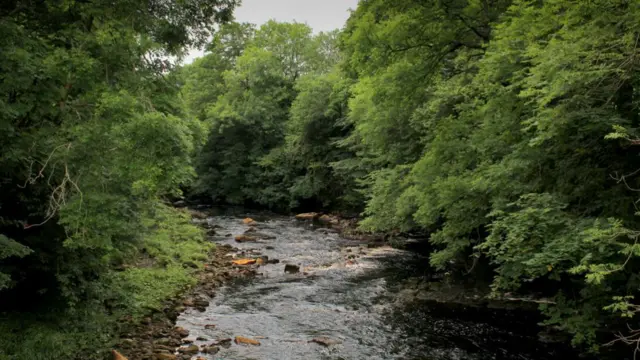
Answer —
352 303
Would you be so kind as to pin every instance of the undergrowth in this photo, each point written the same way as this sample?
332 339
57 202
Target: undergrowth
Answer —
168 255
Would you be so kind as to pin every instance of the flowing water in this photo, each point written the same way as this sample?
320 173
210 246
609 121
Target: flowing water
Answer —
357 302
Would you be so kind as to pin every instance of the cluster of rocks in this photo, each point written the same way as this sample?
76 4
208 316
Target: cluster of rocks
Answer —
347 228
156 337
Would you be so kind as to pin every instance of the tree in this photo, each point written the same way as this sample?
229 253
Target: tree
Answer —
92 137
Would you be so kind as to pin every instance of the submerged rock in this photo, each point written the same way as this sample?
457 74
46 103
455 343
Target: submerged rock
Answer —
245 238
325 341
225 343
291 269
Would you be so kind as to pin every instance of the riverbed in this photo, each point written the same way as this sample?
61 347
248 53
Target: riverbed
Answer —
350 295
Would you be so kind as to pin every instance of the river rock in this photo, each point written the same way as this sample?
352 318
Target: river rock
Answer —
225 343
127 343
166 341
182 331
307 216
198 215
163 348
244 261
291 269
165 356
202 338
325 341
210 326
243 340
328 219
201 303
191 349
245 238
210 349
249 221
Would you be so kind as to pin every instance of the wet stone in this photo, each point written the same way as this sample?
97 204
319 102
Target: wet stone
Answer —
291 269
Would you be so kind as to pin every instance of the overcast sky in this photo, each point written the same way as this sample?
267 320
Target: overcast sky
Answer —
321 15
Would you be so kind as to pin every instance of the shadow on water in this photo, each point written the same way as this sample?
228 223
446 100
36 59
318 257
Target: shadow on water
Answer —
361 304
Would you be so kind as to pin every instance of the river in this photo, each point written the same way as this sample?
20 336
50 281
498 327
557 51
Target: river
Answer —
352 294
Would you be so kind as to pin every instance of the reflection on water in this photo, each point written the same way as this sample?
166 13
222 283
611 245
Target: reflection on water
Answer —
352 295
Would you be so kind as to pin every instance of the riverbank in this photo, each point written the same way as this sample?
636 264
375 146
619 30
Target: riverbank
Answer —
156 336
166 262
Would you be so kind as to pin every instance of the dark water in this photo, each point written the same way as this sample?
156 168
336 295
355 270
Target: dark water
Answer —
361 303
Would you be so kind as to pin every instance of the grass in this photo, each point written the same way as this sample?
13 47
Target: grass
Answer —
172 250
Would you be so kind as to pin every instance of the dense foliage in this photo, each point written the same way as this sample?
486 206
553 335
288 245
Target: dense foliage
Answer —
274 106
93 136
504 130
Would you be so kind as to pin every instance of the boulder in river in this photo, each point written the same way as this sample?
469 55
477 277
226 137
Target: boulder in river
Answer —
209 326
291 269
307 216
243 340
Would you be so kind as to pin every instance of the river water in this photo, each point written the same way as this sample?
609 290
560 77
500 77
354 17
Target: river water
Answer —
351 294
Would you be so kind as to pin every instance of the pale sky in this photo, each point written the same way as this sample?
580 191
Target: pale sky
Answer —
320 15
